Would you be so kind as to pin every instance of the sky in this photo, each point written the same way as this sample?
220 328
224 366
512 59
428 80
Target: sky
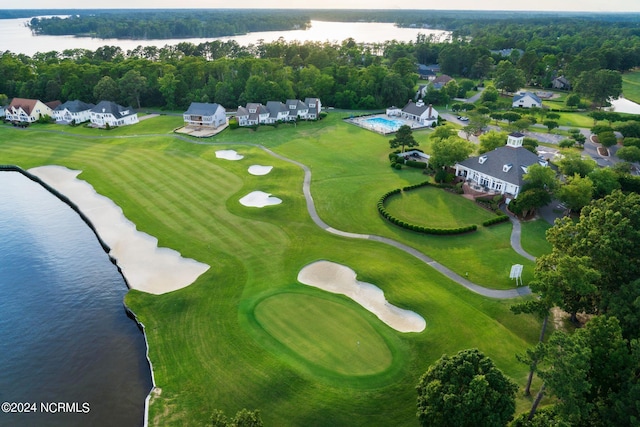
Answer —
537 5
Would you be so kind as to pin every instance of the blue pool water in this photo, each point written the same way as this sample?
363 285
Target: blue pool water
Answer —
386 125
64 333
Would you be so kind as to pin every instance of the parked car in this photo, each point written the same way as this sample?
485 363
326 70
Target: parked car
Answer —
463 119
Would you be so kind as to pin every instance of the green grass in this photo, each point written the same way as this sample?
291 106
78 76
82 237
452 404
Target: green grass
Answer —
631 86
313 329
533 237
207 345
434 207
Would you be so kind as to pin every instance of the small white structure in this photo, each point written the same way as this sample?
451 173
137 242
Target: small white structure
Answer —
73 111
526 100
418 112
501 170
205 114
22 110
112 114
516 273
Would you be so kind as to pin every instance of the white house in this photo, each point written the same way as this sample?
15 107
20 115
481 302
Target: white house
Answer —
315 107
526 100
297 109
29 110
253 114
112 114
277 112
500 170
73 111
421 113
205 114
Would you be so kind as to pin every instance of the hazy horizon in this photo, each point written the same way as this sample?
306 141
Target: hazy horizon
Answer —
612 6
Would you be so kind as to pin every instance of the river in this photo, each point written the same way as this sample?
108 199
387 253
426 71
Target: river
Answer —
64 334
16 37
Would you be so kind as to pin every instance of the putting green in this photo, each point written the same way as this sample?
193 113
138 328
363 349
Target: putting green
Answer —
325 333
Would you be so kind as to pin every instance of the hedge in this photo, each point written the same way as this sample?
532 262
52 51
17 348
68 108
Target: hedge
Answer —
497 220
415 227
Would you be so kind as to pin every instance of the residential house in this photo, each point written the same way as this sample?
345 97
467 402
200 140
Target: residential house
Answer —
421 92
421 113
253 114
3 110
526 100
22 110
315 107
73 111
205 114
501 170
111 114
425 72
278 112
297 109
561 83
441 81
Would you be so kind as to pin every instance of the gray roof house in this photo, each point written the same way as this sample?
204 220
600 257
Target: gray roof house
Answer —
297 109
315 107
112 114
278 111
500 170
441 81
425 72
526 100
423 114
205 114
73 111
561 82
253 114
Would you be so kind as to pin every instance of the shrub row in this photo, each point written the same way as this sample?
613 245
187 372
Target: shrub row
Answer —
414 227
497 220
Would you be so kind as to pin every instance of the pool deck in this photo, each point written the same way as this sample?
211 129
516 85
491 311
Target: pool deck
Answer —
382 130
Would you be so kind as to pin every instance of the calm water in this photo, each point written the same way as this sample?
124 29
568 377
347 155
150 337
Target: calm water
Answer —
17 38
64 334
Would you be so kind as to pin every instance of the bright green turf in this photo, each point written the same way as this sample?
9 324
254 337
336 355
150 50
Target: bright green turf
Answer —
533 238
434 207
207 350
631 85
326 333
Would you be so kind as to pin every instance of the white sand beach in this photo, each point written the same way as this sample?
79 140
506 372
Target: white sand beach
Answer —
259 170
340 279
259 199
229 155
144 266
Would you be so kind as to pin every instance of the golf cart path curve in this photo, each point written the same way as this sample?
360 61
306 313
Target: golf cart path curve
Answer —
311 208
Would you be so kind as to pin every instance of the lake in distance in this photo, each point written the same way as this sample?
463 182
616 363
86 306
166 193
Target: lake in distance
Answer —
64 333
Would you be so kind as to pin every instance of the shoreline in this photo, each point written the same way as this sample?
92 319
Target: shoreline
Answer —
37 178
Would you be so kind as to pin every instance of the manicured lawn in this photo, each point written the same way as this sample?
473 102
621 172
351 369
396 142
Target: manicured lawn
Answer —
434 207
533 237
225 342
631 86
313 329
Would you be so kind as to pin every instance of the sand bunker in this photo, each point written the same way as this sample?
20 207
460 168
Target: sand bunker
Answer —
259 170
259 199
145 266
229 155
340 279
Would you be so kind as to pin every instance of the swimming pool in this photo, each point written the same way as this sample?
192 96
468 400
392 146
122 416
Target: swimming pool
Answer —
382 125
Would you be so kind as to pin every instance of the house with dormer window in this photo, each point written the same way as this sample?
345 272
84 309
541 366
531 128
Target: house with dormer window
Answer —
297 109
22 110
278 112
72 112
501 170
315 107
112 114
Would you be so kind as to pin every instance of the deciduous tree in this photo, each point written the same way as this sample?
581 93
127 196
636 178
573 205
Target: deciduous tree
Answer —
465 390
404 138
